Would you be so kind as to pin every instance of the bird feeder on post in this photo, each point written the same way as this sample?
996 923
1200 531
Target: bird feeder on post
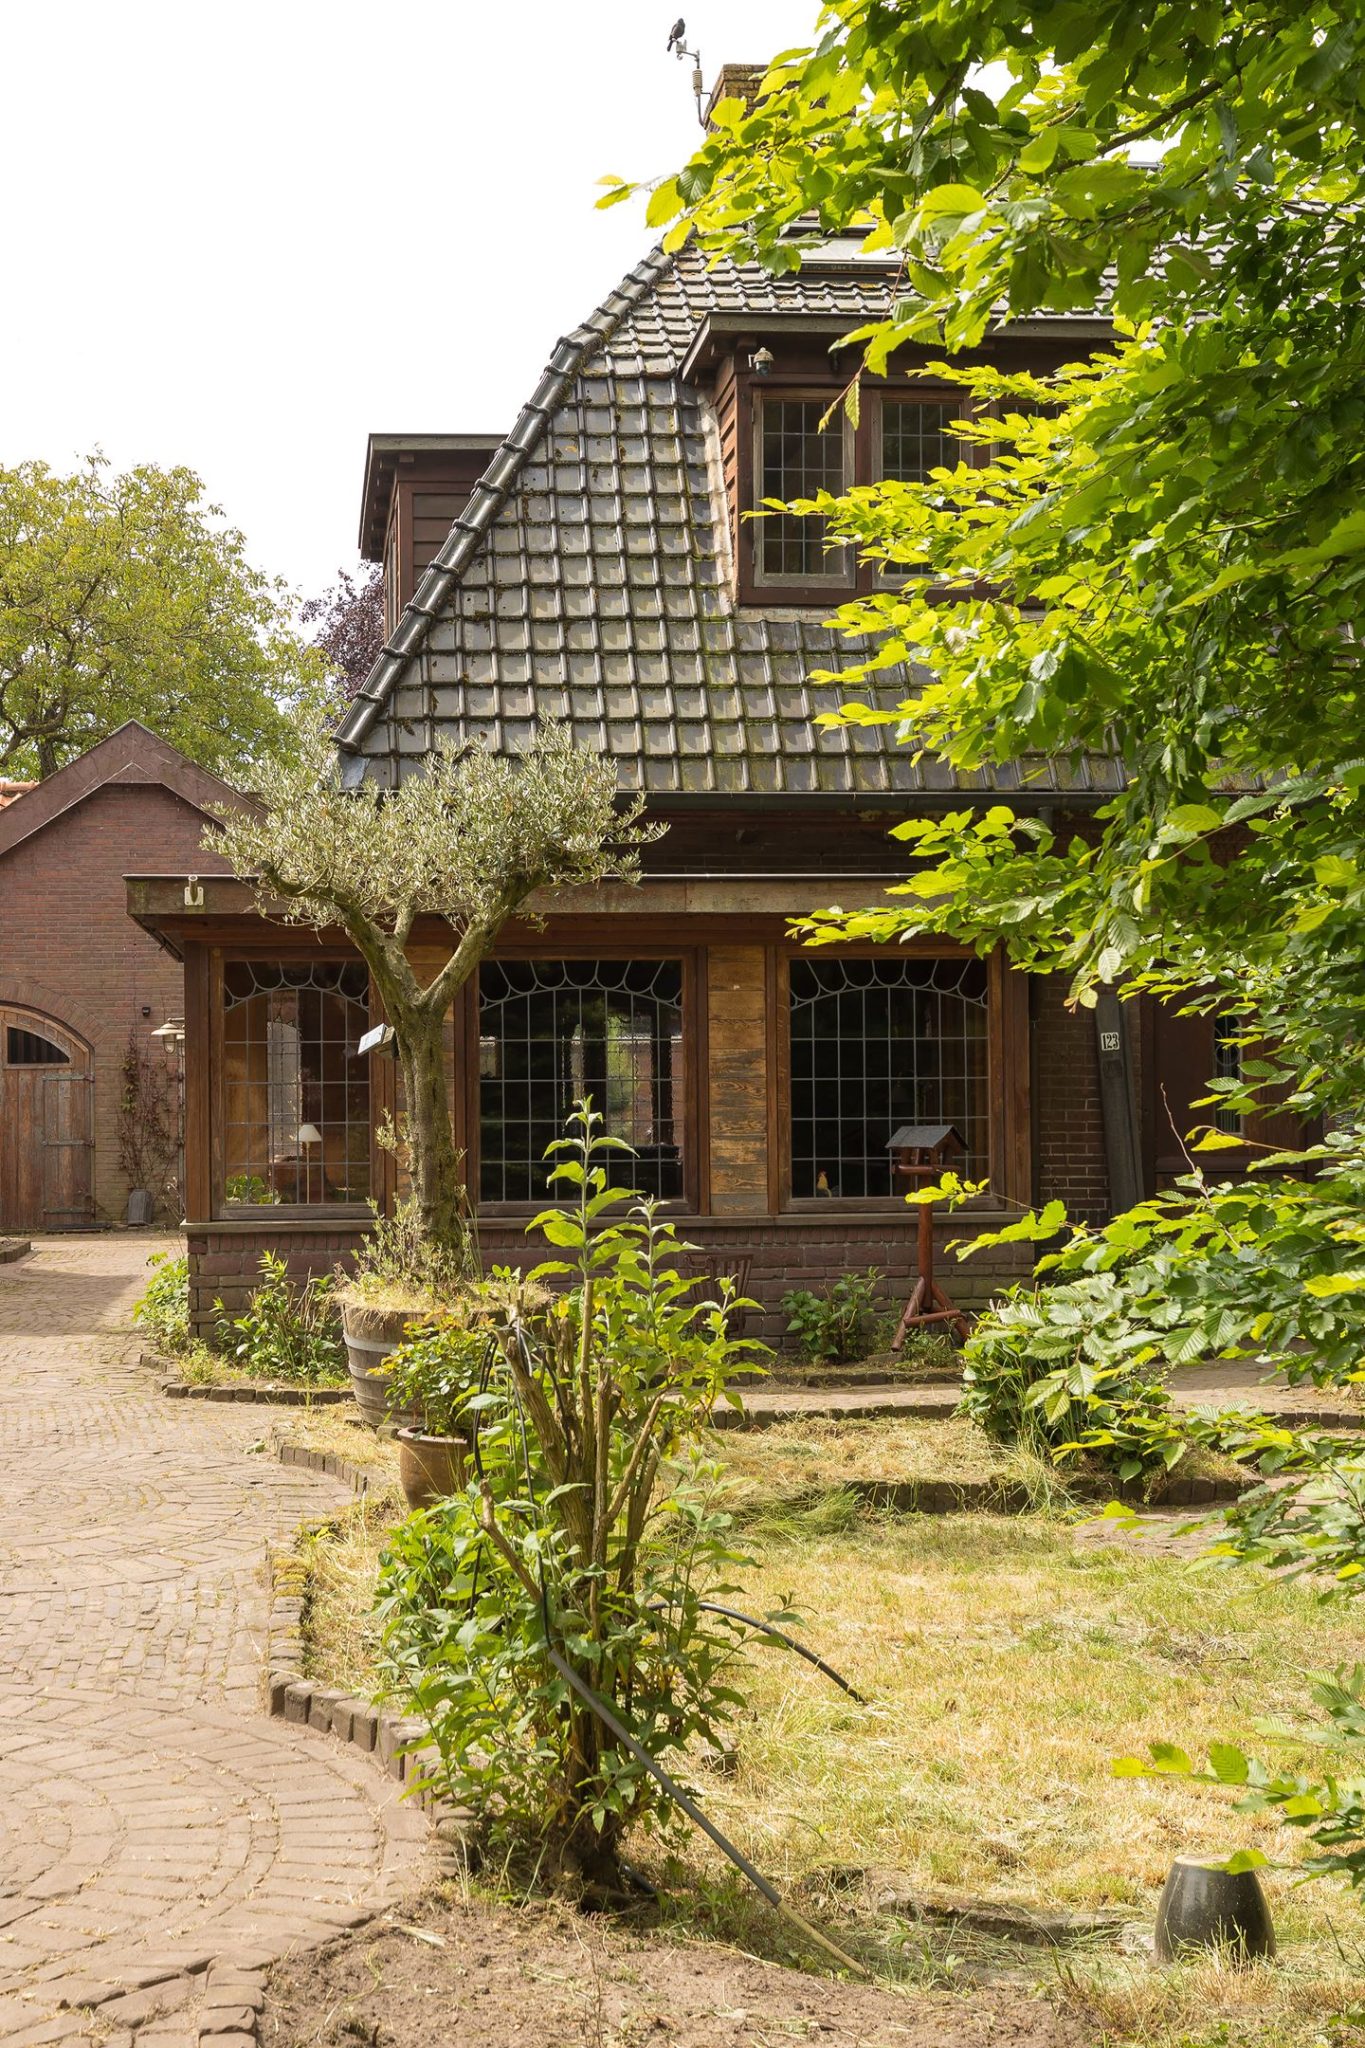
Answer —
920 1153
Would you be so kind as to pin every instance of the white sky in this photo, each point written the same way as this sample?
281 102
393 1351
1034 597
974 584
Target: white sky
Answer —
242 236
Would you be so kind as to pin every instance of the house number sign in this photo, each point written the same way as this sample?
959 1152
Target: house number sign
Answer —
1110 1041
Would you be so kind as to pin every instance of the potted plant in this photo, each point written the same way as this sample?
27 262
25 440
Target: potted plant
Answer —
430 1378
401 1283
436 1373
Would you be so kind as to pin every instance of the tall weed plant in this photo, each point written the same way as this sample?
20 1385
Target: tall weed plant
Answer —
565 1590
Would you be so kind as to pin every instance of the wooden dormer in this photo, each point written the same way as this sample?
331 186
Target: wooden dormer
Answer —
416 485
760 368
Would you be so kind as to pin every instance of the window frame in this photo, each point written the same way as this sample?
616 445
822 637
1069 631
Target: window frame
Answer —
220 1209
64 1061
862 466
691 959
1009 1120
842 578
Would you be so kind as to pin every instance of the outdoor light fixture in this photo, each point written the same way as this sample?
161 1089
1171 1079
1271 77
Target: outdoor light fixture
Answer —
376 1040
761 362
173 1028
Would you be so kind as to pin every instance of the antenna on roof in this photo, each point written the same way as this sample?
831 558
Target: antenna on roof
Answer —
677 43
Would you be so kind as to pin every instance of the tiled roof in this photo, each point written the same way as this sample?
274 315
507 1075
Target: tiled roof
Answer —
587 581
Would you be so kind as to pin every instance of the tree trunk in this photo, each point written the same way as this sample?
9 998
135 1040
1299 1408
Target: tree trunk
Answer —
437 1181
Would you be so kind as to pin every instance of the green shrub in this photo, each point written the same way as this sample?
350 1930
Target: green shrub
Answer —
399 1261
286 1332
841 1325
164 1308
1063 1369
574 1569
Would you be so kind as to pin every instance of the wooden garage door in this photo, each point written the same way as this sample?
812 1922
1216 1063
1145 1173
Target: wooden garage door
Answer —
46 1125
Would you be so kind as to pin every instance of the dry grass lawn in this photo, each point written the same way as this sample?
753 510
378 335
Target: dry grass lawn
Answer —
1008 1662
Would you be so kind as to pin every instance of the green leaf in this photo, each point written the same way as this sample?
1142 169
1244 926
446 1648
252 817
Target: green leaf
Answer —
1037 154
957 200
1192 821
1230 1765
1327 1286
664 202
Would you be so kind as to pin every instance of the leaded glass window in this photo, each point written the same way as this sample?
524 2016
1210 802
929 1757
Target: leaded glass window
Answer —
554 1031
876 1044
916 437
796 459
296 1089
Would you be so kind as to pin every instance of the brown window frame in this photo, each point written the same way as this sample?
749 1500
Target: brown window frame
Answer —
842 577
692 961
862 466
1009 1143
256 1213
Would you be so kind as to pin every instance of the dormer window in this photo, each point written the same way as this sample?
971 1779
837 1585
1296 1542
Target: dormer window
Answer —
804 443
797 457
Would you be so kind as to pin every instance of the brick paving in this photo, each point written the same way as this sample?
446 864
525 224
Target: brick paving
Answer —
152 1819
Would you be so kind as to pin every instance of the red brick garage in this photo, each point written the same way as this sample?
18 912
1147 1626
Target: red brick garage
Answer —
77 976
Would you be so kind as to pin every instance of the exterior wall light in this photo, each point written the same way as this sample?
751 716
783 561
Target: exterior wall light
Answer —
761 362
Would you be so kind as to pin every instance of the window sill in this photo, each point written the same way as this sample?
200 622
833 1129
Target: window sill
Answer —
286 1216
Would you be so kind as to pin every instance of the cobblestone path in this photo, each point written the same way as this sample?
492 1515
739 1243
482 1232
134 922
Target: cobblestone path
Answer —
152 1818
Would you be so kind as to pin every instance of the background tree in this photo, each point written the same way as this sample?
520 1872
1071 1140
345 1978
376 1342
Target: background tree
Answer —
124 596
349 624
470 842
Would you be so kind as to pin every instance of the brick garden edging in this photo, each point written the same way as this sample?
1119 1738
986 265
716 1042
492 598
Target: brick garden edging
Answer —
396 1742
268 1391
12 1248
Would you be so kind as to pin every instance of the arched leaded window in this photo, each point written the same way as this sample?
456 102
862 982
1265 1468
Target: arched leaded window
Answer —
876 1044
554 1031
296 1088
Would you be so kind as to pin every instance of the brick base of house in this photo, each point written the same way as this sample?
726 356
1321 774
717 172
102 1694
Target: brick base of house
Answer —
805 1250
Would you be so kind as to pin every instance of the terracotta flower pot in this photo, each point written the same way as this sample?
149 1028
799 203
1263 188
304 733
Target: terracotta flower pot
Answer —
1204 1907
373 1335
429 1467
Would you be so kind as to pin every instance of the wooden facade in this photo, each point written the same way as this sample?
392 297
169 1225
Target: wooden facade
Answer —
600 567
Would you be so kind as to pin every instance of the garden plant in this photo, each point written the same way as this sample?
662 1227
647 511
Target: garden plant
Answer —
568 1585
840 1325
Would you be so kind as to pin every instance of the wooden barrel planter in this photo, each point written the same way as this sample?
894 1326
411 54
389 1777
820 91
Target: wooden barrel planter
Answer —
372 1335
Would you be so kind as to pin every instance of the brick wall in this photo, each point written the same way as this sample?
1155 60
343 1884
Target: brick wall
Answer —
786 1251
69 950
1067 1124
225 1261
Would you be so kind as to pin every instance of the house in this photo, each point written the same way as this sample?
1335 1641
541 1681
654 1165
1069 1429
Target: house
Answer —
79 983
597 566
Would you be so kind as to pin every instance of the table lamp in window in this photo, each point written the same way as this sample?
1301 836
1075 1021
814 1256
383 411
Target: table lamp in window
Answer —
309 1136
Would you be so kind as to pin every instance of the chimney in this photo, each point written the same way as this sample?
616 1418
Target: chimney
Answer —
736 82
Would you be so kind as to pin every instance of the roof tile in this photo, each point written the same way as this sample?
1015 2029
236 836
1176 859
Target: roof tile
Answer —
595 523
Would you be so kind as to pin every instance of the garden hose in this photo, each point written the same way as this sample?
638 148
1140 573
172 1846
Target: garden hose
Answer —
765 1628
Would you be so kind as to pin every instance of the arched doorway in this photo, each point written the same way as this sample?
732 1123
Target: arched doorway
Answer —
46 1125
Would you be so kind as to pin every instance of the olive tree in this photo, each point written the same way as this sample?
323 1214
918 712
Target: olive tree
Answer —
470 841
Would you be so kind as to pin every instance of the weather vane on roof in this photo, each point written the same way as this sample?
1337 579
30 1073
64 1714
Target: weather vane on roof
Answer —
677 43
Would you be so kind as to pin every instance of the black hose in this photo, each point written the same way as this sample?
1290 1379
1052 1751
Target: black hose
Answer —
765 1628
